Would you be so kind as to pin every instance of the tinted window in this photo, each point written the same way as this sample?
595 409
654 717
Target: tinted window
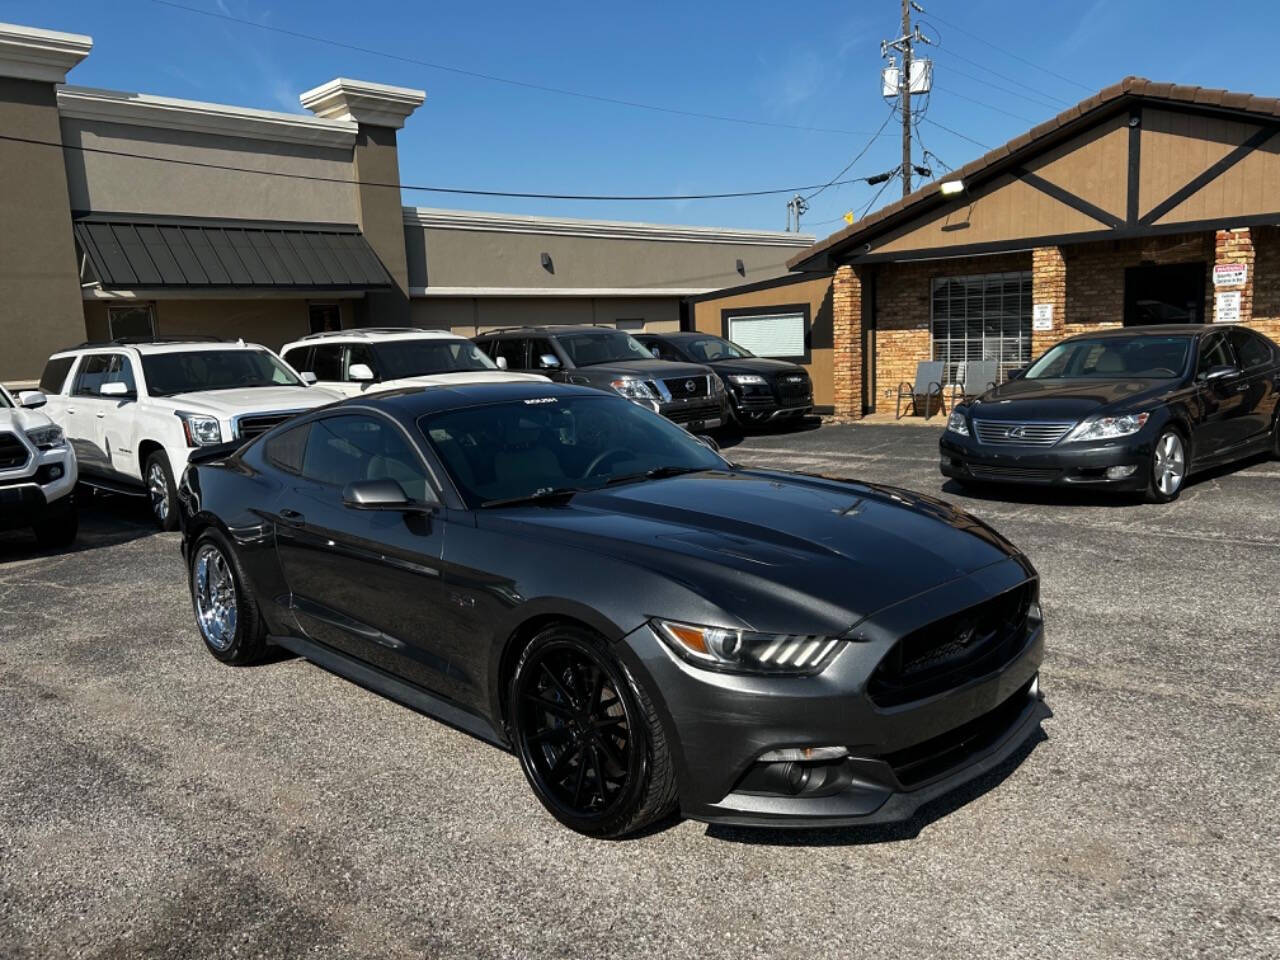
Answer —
420 358
342 450
359 353
512 349
541 347
121 371
299 358
326 361
1137 357
663 349
286 450
92 374
1252 350
187 370
55 374
1214 352
705 349
503 450
585 349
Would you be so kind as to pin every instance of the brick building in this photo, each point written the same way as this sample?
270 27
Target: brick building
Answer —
1145 203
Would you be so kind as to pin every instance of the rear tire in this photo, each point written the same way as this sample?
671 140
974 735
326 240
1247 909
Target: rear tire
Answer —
587 735
1167 472
161 491
226 609
1275 438
60 531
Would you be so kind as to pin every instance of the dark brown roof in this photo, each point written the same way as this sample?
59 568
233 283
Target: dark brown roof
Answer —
1017 150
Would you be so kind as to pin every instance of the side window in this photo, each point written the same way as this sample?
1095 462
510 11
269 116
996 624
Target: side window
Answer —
1252 350
299 358
121 370
286 450
665 352
1214 352
55 374
93 373
326 361
359 353
538 348
346 449
512 349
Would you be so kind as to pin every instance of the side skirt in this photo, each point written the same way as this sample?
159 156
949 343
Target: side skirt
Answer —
396 689
113 486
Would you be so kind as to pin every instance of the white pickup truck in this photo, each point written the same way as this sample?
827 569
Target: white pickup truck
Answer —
37 472
134 411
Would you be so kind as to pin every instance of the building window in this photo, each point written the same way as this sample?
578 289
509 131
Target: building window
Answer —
324 317
136 321
630 323
780 333
984 317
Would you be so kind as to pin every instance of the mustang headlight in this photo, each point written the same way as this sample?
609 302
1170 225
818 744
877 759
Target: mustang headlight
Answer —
47 438
200 430
957 423
633 389
1108 428
748 379
744 651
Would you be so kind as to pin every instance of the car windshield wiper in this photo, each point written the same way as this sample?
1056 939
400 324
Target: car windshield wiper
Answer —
546 493
656 473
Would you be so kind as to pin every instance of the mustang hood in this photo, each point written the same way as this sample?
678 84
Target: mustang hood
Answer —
1072 399
826 553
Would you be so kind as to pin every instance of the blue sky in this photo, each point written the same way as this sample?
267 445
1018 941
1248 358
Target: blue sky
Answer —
812 65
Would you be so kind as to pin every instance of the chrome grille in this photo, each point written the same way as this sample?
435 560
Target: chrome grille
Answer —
13 452
248 427
1022 433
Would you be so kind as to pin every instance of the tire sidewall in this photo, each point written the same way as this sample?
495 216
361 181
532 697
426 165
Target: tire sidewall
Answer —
170 522
246 622
1154 493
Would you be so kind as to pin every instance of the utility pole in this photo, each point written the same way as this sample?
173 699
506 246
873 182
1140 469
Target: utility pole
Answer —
900 84
906 97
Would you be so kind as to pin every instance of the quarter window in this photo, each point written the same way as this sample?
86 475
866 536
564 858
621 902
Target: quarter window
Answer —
343 450
285 450
1252 350
984 317
55 374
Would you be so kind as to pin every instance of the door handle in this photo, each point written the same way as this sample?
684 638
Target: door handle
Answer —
292 517
102 414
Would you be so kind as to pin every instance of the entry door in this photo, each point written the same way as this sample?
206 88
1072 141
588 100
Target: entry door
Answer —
83 409
1171 293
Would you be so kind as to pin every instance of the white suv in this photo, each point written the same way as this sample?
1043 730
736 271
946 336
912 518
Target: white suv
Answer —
134 410
371 359
37 472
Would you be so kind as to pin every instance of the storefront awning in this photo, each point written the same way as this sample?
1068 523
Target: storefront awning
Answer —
132 252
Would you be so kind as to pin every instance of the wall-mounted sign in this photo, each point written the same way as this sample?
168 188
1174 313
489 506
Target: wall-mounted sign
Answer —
1042 316
1226 307
1230 274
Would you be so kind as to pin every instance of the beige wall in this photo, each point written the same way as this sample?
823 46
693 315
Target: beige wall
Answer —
112 184
271 322
471 315
381 219
39 280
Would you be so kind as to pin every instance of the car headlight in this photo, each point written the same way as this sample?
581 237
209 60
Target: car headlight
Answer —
748 379
1108 428
47 438
633 389
958 423
717 385
200 430
730 650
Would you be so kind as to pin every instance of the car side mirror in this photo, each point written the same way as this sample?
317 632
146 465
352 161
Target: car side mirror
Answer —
1222 372
116 388
707 441
308 378
32 399
501 362
360 371
382 494
549 361
1016 374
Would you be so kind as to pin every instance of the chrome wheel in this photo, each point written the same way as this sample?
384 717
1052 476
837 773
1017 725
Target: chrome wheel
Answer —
158 487
214 592
1170 465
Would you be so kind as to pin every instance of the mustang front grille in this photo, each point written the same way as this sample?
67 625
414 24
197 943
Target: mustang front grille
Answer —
1022 433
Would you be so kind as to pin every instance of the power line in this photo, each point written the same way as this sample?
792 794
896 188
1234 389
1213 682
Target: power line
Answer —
478 75
424 188
845 169
957 133
988 106
1010 53
873 200
1037 100
981 66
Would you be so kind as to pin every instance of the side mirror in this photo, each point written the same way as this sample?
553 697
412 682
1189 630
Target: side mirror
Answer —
116 388
657 354
32 399
1222 372
384 494
360 371
707 441
1016 374
308 378
549 361
501 362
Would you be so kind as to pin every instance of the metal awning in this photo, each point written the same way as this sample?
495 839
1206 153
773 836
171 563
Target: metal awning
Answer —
135 252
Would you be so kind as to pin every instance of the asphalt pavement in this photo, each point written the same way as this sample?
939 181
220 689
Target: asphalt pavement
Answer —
156 803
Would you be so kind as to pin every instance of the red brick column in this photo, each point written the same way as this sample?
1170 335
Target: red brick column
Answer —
846 337
1233 246
1048 285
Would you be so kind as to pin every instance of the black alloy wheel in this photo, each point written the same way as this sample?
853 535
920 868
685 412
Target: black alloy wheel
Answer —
588 739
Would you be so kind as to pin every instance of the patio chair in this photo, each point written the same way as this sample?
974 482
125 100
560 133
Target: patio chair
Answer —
973 379
927 386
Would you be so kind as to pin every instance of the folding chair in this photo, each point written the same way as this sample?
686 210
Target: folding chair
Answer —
976 378
927 386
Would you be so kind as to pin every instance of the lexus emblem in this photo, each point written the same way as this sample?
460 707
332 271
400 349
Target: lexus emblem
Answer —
690 386
1016 433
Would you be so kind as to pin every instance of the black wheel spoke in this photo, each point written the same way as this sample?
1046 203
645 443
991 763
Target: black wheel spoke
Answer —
595 762
548 732
559 709
561 766
597 690
577 787
609 753
560 687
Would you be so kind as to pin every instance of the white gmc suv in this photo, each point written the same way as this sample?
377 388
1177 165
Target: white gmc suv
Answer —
134 410
37 472
369 359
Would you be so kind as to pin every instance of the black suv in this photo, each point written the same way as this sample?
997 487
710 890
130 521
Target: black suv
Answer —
759 389
687 393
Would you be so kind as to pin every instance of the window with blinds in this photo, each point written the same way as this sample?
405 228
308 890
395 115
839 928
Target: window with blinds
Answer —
772 335
982 317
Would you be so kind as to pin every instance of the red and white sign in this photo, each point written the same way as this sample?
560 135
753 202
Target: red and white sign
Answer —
1229 274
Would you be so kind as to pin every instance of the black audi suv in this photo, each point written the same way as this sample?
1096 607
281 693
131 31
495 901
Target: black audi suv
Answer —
689 394
646 625
1133 409
760 389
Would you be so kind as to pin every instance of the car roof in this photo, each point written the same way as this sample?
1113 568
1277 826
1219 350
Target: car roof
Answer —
550 328
372 335
412 402
159 346
1154 330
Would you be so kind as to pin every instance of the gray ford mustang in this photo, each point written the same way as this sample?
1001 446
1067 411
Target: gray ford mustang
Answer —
648 626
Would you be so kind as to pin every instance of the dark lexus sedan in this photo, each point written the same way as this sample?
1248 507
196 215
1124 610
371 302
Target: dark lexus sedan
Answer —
760 389
1135 409
649 627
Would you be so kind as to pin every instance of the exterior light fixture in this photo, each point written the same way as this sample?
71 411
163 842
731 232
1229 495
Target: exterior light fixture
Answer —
741 268
951 187
547 265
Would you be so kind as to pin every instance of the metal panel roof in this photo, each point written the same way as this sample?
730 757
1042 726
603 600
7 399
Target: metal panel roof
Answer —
130 251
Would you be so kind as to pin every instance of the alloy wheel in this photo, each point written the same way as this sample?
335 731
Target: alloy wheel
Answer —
574 730
214 590
158 488
1170 465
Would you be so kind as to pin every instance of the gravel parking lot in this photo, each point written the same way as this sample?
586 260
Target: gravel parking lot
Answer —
153 802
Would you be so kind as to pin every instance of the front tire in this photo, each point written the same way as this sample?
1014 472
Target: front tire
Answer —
588 737
1168 470
161 491
226 609
59 531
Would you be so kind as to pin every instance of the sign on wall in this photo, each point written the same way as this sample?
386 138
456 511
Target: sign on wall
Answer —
777 335
1230 274
1042 316
1226 307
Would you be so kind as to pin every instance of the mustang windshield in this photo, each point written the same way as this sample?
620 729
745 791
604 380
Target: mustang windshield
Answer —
553 446
1114 358
421 358
188 370
706 349
606 346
